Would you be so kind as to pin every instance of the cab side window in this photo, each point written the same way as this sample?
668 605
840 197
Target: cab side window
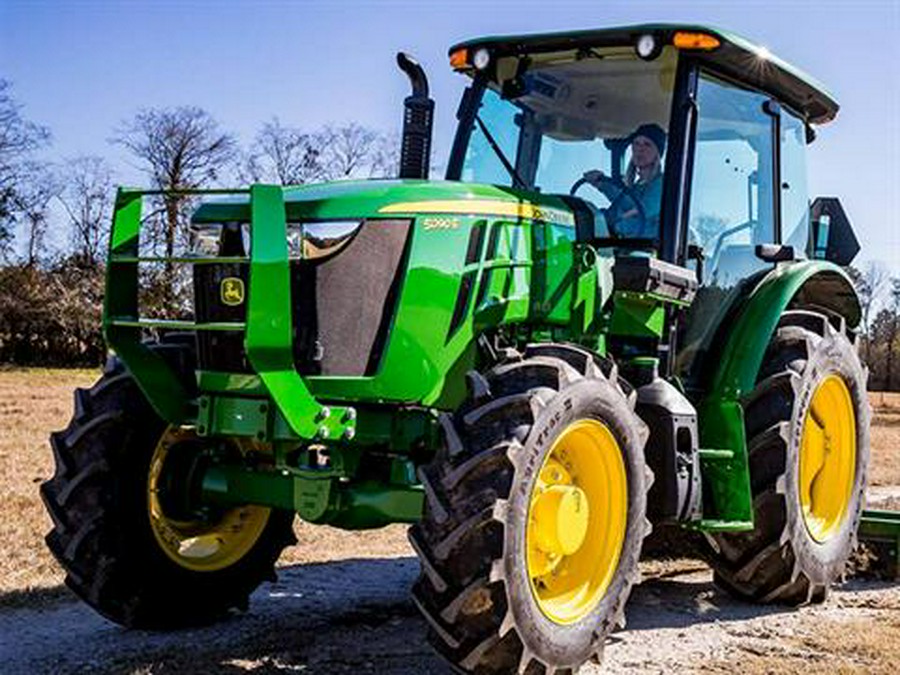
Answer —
731 205
794 193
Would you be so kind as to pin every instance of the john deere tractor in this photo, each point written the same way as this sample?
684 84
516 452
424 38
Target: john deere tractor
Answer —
617 310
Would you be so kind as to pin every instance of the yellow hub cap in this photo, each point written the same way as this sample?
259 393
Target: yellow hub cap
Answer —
200 546
827 458
577 517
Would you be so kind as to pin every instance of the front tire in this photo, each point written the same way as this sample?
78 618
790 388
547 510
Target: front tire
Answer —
535 516
807 425
122 553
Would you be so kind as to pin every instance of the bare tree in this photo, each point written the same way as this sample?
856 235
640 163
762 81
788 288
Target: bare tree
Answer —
289 156
31 203
180 149
348 151
875 278
870 283
386 157
893 330
283 155
19 139
87 196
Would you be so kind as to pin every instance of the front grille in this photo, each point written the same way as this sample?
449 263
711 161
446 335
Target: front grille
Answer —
342 305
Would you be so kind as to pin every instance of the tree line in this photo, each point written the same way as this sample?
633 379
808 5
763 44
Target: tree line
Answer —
51 296
879 295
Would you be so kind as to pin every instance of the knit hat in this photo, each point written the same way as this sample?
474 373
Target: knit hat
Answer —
654 132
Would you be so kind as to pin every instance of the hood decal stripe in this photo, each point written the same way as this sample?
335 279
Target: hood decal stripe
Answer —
484 207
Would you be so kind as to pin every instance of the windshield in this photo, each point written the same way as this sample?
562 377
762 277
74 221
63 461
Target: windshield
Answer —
593 124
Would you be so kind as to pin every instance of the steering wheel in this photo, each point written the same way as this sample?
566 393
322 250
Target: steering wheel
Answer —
611 212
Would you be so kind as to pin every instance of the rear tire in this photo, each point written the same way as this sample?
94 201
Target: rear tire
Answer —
487 609
807 499
102 534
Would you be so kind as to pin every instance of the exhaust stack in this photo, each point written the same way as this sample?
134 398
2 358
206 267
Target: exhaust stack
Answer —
418 119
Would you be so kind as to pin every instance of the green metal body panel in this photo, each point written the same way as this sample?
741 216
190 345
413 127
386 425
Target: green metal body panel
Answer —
725 465
316 496
638 315
881 530
421 350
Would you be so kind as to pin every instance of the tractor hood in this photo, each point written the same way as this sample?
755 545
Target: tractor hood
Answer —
396 198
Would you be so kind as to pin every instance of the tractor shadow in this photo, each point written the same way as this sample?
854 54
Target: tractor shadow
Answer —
680 600
349 616
35 598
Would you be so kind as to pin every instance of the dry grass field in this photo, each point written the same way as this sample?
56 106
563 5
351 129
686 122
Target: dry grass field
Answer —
34 402
885 439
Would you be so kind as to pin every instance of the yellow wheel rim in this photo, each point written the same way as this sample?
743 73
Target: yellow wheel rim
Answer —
577 517
827 458
198 545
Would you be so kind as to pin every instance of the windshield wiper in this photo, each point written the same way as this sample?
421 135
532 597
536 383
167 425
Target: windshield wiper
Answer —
510 169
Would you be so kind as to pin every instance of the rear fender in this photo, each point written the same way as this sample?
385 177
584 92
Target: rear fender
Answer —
814 284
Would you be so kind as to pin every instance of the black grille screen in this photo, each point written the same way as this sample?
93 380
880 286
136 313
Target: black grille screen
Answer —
342 306
220 350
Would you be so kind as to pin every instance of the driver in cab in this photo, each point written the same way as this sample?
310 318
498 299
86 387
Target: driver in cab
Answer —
643 182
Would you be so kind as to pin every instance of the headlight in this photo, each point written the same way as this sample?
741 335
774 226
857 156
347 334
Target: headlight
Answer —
648 47
314 240
205 240
210 240
481 59
306 241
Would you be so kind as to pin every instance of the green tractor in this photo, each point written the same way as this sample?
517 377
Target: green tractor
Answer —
618 310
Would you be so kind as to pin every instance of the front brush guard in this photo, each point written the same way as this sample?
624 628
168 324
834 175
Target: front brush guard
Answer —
268 331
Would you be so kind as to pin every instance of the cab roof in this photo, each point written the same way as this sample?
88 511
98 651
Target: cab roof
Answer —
735 56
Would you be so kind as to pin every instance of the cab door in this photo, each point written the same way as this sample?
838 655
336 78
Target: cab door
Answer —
732 208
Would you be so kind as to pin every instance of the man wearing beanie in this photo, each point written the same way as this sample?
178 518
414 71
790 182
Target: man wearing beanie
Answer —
644 180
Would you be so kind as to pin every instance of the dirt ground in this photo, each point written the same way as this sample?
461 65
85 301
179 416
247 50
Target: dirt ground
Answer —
341 606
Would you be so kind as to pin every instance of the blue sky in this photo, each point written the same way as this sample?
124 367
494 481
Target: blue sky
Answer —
83 67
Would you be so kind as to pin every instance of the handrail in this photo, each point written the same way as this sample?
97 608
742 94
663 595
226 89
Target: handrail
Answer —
198 260
174 324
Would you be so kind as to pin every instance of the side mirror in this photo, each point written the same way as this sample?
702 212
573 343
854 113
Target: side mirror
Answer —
773 253
810 133
833 238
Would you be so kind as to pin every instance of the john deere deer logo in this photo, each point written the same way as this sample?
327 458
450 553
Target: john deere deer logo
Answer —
232 291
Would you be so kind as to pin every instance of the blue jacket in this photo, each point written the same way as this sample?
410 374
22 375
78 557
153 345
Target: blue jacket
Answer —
650 194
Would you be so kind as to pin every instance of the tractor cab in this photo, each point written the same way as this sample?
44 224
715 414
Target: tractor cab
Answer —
684 144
